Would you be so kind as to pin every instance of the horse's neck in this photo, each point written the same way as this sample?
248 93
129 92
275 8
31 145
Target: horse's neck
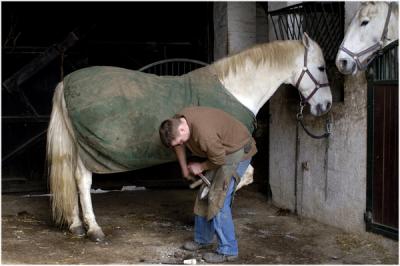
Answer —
253 86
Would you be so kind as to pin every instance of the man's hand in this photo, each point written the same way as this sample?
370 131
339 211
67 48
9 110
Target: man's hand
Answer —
185 173
190 178
195 168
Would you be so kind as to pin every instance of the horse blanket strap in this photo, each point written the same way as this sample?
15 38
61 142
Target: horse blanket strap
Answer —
306 71
116 113
362 65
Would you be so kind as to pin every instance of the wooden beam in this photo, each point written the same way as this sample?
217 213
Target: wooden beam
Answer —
12 83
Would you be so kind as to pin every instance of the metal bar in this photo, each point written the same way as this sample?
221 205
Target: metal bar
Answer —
325 25
280 27
32 140
318 31
19 119
291 30
273 23
395 59
383 64
299 25
27 103
285 10
205 180
175 60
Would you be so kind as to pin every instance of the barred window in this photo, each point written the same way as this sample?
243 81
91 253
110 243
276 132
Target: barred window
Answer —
324 23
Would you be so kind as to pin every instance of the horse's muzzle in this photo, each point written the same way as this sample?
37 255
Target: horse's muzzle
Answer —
346 66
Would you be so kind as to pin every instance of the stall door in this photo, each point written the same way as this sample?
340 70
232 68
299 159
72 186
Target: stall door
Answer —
383 145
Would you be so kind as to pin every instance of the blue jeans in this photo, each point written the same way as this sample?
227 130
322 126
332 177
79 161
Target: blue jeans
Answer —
222 224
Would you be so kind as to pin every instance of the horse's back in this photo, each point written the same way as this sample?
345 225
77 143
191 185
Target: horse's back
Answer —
116 112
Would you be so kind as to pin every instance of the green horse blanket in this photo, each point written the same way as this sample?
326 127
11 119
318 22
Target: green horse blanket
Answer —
116 113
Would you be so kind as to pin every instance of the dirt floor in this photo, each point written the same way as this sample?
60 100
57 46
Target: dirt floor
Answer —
149 227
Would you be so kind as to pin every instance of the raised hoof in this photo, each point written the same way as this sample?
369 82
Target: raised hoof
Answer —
78 231
96 236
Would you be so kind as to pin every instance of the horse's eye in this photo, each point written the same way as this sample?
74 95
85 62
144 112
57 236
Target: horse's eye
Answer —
364 23
321 68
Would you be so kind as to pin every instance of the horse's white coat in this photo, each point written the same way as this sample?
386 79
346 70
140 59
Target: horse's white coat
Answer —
252 86
365 30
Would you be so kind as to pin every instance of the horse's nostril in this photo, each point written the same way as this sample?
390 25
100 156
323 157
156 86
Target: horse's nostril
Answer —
343 62
319 108
328 106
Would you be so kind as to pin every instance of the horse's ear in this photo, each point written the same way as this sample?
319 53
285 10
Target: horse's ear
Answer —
306 40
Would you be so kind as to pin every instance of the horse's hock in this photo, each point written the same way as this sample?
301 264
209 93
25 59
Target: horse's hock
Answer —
146 226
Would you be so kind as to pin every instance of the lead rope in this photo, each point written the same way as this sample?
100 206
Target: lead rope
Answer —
299 117
326 160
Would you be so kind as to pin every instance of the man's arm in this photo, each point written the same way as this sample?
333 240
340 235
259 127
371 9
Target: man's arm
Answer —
181 154
215 159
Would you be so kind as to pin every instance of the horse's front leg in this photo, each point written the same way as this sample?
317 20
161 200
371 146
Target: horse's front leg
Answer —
84 180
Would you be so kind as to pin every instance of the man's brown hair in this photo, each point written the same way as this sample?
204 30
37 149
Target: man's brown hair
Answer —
169 130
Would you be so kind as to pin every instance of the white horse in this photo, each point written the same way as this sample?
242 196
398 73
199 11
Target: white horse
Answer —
251 76
374 26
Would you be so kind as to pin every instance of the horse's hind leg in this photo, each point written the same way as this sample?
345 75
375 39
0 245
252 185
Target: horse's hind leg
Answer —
84 181
76 227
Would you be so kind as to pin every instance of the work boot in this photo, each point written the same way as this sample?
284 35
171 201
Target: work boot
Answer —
193 246
219 258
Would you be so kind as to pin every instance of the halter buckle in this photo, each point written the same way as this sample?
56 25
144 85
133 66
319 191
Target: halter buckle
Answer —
305 68
328 126
299 116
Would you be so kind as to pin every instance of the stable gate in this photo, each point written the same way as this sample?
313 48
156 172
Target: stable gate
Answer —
383 144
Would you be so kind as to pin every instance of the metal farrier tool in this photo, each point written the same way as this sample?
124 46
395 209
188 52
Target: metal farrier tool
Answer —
206 188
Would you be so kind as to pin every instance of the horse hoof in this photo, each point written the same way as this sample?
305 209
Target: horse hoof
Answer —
96 236
78 231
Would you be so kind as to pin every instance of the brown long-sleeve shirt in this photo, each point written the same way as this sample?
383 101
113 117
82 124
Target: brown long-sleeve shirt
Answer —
214 134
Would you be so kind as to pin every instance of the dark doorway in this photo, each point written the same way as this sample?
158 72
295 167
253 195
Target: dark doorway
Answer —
123 34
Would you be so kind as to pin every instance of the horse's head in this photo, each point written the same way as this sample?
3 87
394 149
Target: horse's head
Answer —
311 79
368 32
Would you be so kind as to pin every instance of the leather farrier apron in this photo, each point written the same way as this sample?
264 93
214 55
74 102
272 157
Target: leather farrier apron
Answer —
220 178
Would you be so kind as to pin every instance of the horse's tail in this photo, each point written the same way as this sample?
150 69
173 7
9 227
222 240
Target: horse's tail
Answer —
62 160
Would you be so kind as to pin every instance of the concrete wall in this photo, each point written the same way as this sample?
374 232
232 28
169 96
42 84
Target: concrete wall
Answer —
331 173
237 26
